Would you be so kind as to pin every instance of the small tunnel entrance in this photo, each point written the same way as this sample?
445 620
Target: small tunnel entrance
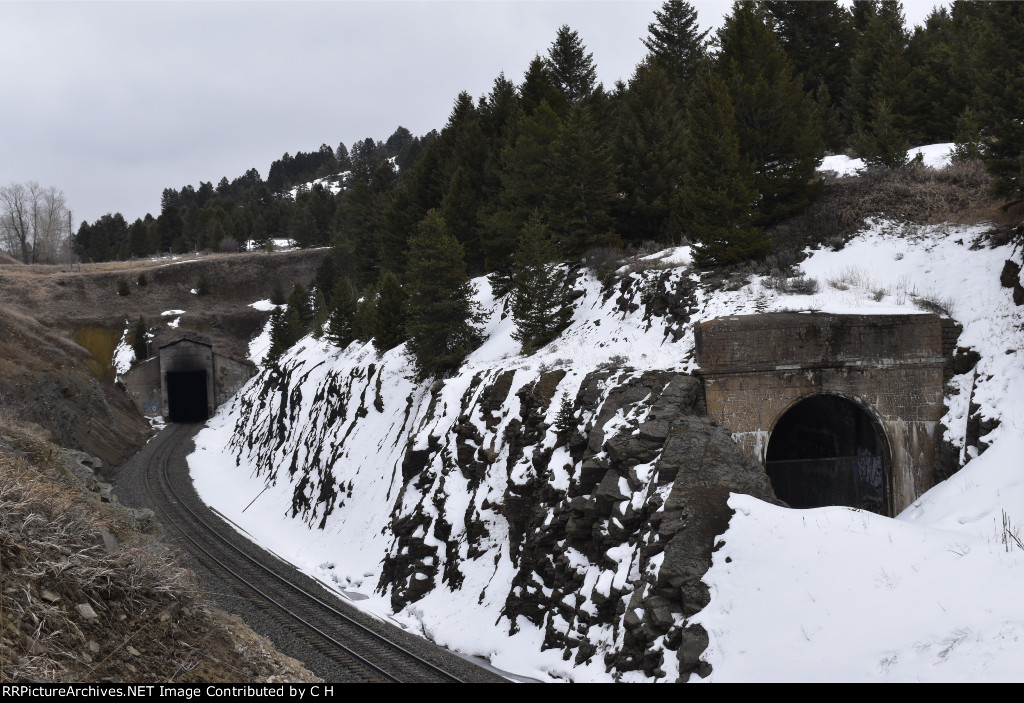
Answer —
186 396
827 450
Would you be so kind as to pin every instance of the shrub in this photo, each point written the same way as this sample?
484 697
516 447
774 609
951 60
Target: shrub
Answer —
935 304
142 280
229 244
595 258
277 294
797 285
123 288
802 285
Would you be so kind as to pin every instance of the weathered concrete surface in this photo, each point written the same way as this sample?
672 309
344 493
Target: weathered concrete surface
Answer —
229 375
186 355
146 382
142 382
756 367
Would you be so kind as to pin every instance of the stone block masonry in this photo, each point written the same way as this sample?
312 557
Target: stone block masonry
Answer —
756 367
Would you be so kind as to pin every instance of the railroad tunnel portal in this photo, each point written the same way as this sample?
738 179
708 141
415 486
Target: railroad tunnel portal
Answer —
828 450
839 409
186 381
186 396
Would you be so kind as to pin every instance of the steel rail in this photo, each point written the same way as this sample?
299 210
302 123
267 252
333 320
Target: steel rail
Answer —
164 453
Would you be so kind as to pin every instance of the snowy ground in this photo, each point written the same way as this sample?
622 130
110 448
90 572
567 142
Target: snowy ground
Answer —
933 156
830 594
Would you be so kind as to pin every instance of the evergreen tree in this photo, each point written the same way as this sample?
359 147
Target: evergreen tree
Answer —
526 182
582 185
540 297
389 321
719 188
213 234
342 158
459 208
140 340
1000 95
968 144
321 314
775 118
441 316
399 223
300 302
565 421
357 226
572 68
282 334
942 88
833 133
880 71
462 143
498 111
140 239
365 315
539 86
676 43
343 304
169 227
277 294
818 37
326 275
650 145
879 143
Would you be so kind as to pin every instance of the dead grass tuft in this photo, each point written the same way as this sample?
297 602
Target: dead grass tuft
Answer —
76 605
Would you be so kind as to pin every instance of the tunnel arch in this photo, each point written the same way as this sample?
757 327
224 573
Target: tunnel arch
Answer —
830 449
187 380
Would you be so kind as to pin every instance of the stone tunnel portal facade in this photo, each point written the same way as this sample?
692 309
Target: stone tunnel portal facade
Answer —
186 381
816 398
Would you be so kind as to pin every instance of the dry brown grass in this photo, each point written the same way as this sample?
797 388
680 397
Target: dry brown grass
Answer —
957 194
71 300
151 622
44 378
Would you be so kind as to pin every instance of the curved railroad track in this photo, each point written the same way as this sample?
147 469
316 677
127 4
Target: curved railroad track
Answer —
360 648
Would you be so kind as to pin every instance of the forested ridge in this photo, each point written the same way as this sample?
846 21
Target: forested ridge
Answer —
714 138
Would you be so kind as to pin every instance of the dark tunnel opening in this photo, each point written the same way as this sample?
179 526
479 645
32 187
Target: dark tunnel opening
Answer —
186 396
827 450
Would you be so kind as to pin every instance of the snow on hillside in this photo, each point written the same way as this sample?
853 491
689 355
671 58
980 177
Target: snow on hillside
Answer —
828 594
932 156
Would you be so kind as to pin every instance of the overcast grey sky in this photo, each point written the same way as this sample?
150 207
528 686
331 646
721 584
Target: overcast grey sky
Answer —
112 102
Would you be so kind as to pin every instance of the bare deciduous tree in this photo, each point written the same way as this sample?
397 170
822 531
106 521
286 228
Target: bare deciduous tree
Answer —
34 222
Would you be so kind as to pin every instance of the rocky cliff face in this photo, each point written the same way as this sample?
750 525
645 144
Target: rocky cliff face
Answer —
604 528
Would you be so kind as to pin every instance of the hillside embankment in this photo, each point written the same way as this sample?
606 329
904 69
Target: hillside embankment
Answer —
59 329
89 592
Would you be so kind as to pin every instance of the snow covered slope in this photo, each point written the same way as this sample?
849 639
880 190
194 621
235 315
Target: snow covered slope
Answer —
421 500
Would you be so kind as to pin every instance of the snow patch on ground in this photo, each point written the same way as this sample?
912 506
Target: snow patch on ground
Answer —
124 355
935 156
263 305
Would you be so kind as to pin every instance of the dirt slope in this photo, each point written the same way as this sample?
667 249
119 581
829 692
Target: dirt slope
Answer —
58 331
90 595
